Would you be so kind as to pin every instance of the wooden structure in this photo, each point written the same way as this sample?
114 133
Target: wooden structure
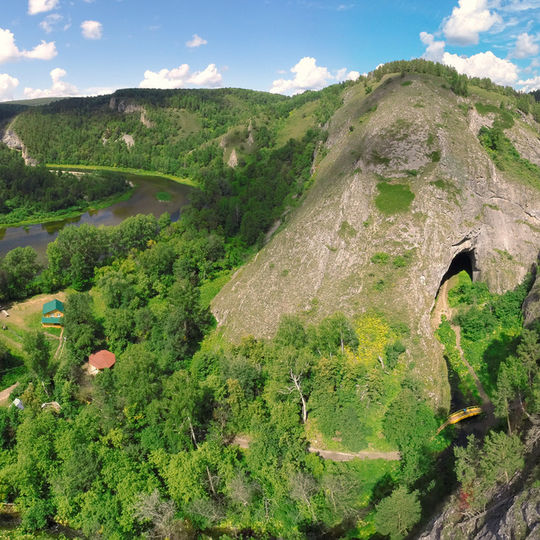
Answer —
53 313
99 361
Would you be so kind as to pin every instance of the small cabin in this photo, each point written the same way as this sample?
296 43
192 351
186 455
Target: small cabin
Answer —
99 361
53 313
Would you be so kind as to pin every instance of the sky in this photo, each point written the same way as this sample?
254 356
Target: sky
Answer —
91 47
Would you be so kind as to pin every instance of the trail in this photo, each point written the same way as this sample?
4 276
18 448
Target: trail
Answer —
332 455
442 307
4 394
60 342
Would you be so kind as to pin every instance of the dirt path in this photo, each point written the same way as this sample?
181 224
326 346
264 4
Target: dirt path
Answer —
244 442
4 394
485 398
348 456
442 307
60 342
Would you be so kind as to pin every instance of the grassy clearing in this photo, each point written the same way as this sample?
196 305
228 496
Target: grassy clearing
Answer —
298 122
210 287
393 198
126 170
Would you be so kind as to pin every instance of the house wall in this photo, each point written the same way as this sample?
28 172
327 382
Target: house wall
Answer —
55 313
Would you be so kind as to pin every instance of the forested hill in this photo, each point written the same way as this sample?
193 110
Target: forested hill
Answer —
171 131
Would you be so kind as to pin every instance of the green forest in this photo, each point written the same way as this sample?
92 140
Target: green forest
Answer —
188 435
34 194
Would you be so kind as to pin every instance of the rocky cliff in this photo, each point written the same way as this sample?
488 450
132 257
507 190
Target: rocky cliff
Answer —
401 187
513 511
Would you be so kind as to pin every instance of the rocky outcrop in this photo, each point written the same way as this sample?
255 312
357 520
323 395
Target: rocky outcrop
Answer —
127 107
531 305
321 261
513 511
13 141
128 140
233 159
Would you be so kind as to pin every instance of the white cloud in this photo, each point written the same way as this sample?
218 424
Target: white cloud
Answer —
181 77
40 6
210 76
7 86
525 46
92 29
520 5
197 41
309 76
528 85
434 50
10 52
59 88
43 51
468 20
50 21
484 64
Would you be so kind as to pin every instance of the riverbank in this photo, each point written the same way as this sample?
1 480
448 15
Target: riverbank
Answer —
126 170
69 213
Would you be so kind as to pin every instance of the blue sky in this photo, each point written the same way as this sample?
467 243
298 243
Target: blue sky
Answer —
84 47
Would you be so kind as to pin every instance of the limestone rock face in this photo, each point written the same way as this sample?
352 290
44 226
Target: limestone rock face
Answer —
127 107
322 260
13 141
531 306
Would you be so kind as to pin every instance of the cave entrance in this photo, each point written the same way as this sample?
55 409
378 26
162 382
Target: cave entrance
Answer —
462 261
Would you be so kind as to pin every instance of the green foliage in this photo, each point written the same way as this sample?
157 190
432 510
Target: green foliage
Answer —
393 198
468 292
480 470
398 513
466 384
33 193
506 157
18 270
380 258
490 325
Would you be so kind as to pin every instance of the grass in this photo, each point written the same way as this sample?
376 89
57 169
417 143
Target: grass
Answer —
126 170
297 123
210 287
503 117
393 198
466 384
163 196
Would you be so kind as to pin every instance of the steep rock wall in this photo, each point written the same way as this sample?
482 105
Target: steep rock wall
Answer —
322 261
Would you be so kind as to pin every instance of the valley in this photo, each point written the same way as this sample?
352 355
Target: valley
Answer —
290 334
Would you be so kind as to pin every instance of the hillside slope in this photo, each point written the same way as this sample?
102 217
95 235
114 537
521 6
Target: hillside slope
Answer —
402 186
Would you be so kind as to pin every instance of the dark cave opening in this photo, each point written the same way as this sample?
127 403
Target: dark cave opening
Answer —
462 261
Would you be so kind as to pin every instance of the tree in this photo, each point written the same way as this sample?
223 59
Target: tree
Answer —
37 355
396 515
81 327
20 267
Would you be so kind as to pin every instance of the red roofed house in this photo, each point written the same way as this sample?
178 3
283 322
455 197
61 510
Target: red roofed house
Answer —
99 361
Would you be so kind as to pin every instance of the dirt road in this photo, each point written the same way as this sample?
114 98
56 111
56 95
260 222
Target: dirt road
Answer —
244 442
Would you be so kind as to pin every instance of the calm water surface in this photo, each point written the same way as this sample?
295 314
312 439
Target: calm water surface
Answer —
143 201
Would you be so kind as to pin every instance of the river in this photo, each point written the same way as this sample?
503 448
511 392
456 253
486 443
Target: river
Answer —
143 201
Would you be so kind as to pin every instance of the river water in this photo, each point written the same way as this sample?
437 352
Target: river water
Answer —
143 201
